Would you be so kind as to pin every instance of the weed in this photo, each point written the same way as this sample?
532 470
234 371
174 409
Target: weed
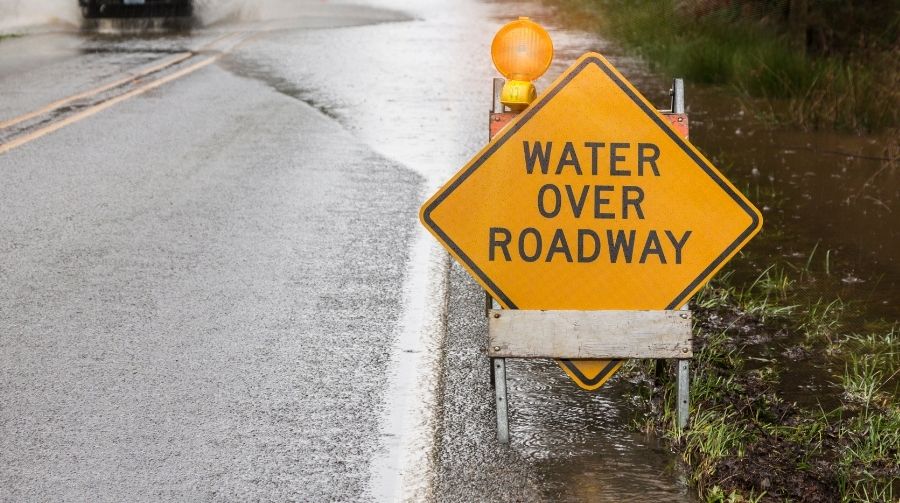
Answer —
810 432
873 437
806 270
712 297
762 307
717 350
717 495
741 432
762 299
868 490
861 380
713 435
882 348
708 386
720 46
774 281
822 320
870 463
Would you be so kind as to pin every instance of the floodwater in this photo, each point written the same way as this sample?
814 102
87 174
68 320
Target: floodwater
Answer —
831 207
830 203
417 88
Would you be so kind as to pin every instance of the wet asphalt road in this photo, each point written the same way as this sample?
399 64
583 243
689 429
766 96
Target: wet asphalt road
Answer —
201 289
218 290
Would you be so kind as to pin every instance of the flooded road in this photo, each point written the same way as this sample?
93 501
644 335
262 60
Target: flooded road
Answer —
426 109
191 261
289 171
828 199
402 93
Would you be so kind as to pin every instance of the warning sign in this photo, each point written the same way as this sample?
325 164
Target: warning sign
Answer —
590 200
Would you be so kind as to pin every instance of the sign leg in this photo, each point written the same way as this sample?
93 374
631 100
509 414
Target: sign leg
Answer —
499 365
677 96
493 374
496 105
683 392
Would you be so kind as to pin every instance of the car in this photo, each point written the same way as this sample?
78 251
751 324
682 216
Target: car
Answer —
91 9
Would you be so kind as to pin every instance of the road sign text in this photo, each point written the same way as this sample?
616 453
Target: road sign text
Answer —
609 162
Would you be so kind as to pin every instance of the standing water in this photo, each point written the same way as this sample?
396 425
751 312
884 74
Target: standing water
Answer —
417 87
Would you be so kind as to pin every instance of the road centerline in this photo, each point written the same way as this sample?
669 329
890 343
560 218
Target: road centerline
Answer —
56 125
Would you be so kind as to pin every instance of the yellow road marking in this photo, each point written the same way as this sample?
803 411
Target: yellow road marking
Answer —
87 112
178 58
97 90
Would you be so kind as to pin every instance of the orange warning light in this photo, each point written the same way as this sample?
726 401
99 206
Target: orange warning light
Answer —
522 52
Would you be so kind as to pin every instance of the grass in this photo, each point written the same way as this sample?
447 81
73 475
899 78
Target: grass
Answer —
759 299
723 47
714 435
821 320
870 455
862 380
882 347
744 443
717 495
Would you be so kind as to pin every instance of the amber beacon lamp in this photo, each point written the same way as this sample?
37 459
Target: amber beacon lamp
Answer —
522 52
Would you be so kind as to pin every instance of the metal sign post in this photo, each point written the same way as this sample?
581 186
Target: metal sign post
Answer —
498 118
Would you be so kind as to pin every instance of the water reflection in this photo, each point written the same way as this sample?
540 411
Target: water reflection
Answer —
583 442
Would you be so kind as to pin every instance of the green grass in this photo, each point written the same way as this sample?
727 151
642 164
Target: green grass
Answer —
714 434
821 320
862 380
883 347
721 47
717 495
811 432
870 455
762 299
737 414
775 281
863 446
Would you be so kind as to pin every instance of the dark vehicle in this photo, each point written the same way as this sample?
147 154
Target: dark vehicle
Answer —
133 8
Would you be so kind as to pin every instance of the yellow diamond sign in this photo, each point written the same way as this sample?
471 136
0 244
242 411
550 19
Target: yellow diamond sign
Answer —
589 200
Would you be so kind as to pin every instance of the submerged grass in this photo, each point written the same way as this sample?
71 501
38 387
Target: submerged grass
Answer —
744 442
857 91
821 320
882 347
763 298
862 380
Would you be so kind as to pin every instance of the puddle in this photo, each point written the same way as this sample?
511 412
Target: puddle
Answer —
830 203
583 443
